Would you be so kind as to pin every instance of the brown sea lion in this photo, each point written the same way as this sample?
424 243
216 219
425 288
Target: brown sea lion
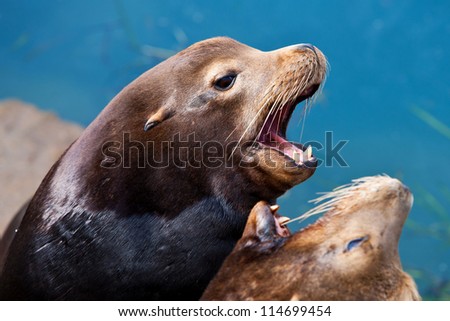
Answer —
118 216
351 253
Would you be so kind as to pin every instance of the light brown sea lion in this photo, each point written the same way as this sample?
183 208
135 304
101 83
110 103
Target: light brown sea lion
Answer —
118 216
351 253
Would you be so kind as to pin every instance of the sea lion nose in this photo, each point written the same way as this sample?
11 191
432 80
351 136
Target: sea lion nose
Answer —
406 188
306 45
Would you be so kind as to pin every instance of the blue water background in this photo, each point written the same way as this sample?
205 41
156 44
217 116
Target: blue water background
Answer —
387 58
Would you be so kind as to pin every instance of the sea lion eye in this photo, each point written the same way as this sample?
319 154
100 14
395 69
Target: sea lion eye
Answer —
354 243
225 82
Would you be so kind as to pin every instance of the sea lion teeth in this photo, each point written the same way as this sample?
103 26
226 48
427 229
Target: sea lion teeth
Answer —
274 208
298 156
309 152
283 220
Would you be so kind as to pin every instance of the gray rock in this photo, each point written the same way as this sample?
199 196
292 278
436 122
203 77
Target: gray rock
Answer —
31 141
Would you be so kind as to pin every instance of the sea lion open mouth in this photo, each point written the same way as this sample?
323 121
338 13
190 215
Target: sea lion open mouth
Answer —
273 133
298 73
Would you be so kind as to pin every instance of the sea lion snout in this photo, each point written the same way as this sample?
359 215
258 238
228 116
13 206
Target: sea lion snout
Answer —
405 192
308 46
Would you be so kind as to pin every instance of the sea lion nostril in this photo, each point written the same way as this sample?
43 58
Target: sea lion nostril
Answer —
306 45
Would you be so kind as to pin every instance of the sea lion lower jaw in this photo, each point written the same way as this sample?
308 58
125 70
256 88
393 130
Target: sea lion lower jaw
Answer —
351 253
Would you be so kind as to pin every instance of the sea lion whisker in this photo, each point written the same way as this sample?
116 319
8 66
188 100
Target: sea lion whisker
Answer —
273 107
303 120
274 110
245 132
279 110
246 129
279 103
231 133
265 98
257 137
319 209
331 199
271 110
303 116
319 91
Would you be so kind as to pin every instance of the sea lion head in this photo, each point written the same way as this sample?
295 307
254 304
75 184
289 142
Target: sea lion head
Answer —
351 253
223 108
243 98
355 244
291 75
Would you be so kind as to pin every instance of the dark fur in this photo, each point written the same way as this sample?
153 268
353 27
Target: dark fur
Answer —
10 232
124 257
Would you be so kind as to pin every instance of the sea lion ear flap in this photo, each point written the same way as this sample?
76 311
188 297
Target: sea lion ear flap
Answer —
158 117
261 223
